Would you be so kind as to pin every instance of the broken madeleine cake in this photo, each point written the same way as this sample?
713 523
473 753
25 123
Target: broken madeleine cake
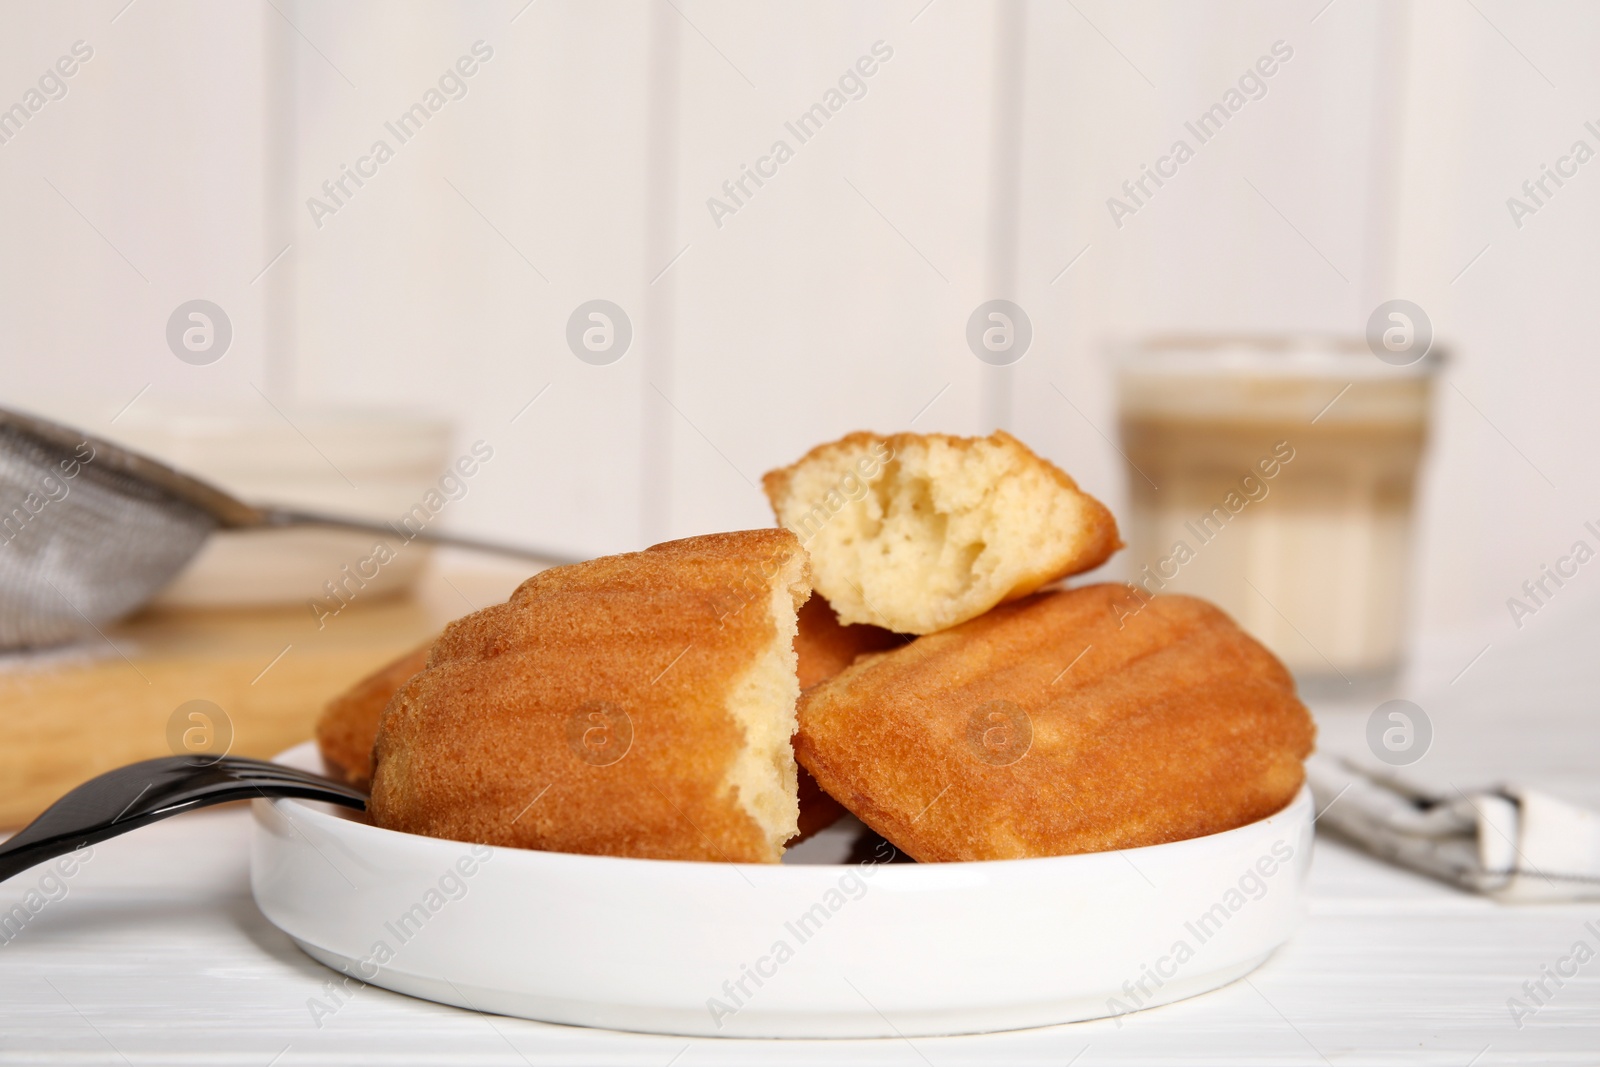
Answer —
348 725
916 533
635 705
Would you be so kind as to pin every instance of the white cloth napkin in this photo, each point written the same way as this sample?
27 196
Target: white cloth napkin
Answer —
1516 845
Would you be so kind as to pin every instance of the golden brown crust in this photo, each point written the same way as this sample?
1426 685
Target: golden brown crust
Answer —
503 739
825 646
349 724
818 810
1151 720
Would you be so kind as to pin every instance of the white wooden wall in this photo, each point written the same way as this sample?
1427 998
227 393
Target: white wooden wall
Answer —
976 165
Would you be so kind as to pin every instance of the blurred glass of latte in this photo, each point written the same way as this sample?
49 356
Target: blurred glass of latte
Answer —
1276 477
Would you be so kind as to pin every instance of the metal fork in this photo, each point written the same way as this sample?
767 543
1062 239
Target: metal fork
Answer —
141 793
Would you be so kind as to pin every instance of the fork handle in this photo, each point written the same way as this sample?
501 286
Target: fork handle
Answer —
99 809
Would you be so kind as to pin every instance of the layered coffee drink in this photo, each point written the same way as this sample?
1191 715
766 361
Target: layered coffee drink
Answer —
1276 476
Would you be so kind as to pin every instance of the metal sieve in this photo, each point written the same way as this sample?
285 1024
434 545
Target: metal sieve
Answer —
89 531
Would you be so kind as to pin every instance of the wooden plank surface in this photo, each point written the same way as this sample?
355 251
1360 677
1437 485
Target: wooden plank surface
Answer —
74 713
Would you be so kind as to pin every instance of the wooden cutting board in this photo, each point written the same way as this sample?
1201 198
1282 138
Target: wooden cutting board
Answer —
77 712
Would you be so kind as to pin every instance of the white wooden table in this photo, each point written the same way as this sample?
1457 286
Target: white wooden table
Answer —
157 954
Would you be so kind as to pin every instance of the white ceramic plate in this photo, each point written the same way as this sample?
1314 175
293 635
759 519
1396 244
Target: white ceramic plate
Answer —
801 949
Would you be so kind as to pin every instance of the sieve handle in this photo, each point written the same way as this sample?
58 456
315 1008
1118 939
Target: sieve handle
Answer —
281 517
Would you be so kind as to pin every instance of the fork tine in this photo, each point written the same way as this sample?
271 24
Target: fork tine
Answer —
141 793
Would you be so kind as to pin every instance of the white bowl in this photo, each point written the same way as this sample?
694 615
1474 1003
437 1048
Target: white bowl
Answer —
791 950
364 463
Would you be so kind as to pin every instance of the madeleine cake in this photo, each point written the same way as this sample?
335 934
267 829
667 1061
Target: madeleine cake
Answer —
635 705
1069 721
919 532
348 726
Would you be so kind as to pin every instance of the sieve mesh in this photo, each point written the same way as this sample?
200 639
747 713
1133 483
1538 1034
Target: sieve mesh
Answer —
81 544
